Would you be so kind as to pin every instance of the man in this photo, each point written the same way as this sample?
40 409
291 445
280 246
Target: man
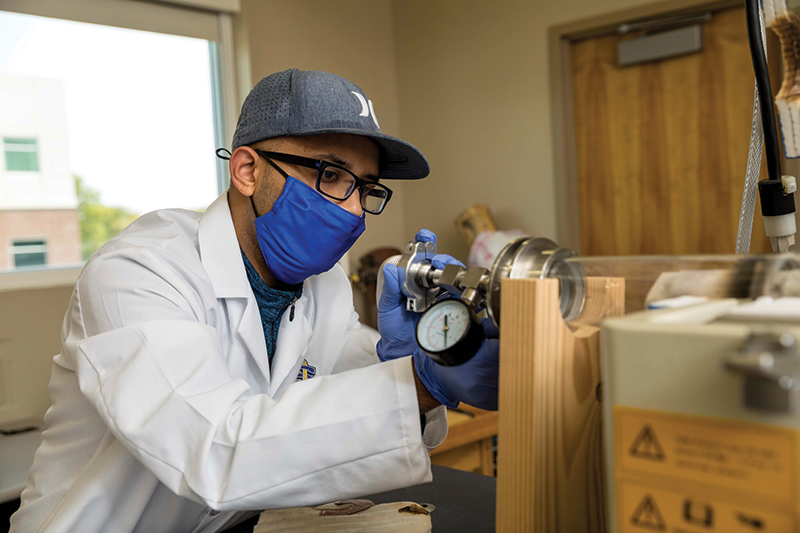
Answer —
212 363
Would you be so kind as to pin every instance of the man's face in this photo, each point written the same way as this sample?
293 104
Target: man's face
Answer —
357 154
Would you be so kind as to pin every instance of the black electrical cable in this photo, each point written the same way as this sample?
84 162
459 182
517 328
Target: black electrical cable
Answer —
775 201
771 146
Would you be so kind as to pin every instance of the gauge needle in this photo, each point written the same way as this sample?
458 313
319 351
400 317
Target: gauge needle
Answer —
445 330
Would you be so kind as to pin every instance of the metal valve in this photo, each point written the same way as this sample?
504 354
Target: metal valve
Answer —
480 287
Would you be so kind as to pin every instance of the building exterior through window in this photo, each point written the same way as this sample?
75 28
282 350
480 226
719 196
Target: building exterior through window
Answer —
38 201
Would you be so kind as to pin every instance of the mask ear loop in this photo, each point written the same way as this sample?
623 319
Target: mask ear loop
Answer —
224 153
253 204
268 160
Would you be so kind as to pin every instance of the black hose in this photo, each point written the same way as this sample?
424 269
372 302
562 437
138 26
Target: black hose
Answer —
771 146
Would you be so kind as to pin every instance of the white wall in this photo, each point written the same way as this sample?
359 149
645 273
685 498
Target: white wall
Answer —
30 335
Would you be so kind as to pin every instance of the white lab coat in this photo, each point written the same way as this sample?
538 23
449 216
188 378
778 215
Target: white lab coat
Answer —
166 415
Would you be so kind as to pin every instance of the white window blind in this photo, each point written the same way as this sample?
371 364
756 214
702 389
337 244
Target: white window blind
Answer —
230 6
132 14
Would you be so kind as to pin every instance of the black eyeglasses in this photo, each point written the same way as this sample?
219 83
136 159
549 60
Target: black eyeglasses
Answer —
335 181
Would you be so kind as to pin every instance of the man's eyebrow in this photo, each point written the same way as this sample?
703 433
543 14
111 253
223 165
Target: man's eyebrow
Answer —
333 158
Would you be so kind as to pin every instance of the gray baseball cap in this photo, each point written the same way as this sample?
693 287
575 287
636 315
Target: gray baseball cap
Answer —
312 102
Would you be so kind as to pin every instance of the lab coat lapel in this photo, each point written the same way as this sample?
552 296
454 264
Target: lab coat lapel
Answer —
293 337
222 259
251 332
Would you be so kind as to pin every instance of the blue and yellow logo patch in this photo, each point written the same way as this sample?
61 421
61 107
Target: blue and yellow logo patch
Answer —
306 371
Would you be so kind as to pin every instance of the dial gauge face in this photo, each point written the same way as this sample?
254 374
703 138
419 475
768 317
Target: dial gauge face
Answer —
443 325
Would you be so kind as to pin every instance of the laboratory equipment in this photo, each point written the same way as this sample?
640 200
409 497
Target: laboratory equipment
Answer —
648 279
701 417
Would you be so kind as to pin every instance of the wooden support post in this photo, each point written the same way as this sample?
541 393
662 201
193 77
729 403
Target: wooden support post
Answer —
550 474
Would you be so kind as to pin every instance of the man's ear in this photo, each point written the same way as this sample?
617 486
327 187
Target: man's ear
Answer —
243 169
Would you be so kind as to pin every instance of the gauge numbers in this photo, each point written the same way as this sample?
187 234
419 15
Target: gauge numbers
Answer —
443 326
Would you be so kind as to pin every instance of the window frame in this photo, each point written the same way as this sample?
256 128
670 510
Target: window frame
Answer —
16 141
16 243
200 20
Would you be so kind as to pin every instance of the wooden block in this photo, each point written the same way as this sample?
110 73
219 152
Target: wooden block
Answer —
467 458
550 456
466 432
487 457
469 440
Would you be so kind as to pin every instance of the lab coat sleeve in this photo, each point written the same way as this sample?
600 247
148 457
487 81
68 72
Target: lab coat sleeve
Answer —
154 369
435 427
359 346
360 351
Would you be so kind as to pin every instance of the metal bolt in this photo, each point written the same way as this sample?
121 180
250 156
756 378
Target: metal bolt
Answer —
766 360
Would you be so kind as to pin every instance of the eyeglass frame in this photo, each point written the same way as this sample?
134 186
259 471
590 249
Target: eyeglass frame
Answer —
320 165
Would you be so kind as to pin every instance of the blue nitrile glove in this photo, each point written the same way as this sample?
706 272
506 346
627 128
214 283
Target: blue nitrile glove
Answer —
396 324
490 331
473 382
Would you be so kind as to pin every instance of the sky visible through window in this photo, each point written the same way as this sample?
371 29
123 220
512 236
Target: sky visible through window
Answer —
138 106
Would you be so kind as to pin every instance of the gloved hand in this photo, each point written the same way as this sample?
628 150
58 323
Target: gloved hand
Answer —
396 324
473 382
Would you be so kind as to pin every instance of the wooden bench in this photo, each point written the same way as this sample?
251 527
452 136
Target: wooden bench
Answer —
469 445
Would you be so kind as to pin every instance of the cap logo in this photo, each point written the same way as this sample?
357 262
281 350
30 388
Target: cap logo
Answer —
366 108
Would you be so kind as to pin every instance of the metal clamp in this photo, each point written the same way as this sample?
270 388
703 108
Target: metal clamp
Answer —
416 262
771 368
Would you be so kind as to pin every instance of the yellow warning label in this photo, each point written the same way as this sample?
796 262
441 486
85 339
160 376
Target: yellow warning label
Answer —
730 456
645 508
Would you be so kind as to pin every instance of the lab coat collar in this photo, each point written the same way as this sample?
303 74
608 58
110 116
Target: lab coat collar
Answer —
220 252
222 259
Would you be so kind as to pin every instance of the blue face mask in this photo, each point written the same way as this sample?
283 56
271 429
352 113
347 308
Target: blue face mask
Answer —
304 234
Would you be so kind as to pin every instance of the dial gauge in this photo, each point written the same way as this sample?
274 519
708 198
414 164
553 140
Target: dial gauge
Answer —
449 332
443 325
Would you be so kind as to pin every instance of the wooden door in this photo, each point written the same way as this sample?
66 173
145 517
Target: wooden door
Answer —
662 146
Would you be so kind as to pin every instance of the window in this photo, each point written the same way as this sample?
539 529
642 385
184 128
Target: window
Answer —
21 154
101 124
29 253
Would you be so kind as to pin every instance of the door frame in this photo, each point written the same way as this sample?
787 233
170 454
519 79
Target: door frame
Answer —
560 38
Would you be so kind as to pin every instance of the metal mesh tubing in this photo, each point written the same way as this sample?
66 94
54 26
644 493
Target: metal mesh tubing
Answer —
753 167
751 180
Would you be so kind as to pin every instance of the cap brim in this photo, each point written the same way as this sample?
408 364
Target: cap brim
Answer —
399 160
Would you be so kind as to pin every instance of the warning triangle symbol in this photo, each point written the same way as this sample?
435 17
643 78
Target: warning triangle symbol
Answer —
648 516
646 445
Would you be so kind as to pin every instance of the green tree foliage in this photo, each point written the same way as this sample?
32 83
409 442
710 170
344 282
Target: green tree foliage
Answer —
98 222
